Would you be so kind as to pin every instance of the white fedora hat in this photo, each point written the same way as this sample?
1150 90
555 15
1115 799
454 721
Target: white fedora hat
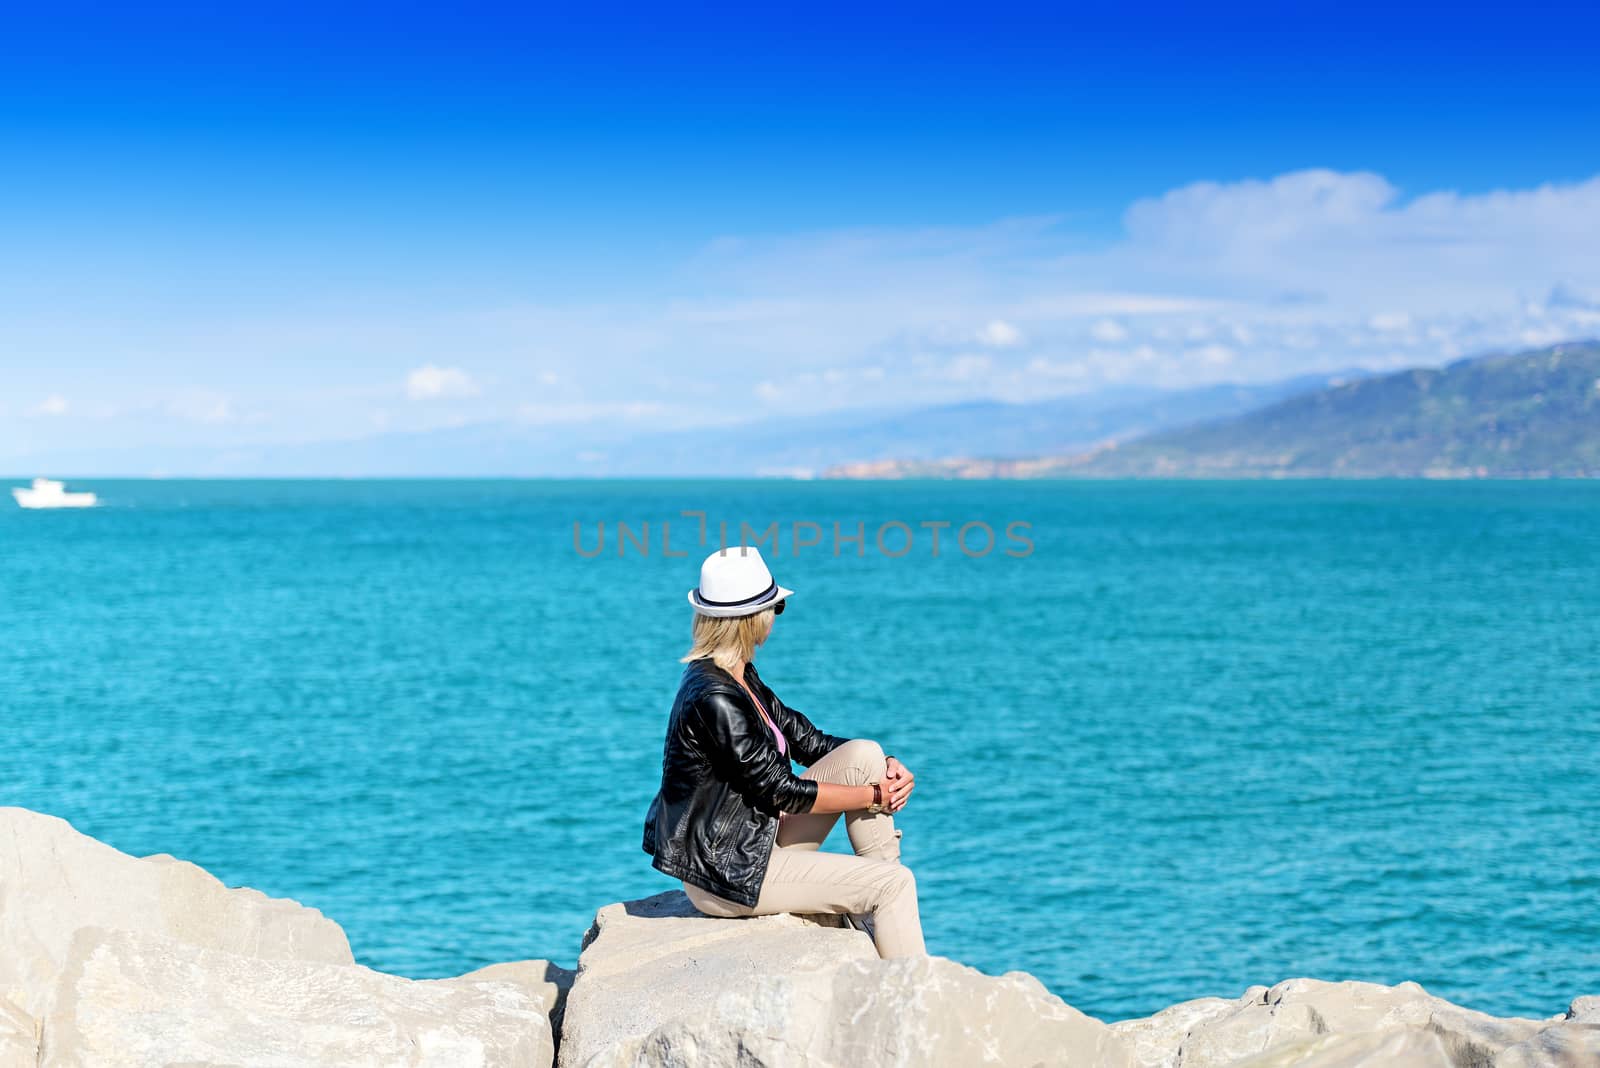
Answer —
734 581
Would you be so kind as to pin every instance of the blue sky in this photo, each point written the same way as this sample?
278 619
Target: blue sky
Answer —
279 225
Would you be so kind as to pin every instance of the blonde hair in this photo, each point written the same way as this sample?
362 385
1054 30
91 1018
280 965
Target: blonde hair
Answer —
730 641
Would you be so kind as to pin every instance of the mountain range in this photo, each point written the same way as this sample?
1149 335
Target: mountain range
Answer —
1514 415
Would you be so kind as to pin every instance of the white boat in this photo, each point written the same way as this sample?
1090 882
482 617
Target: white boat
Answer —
47 493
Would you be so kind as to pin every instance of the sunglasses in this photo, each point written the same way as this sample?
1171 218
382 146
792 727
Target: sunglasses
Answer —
777 609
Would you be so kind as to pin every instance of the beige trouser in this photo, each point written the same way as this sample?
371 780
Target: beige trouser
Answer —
802 878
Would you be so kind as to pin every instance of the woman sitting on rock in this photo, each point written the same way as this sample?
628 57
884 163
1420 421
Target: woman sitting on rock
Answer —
732 821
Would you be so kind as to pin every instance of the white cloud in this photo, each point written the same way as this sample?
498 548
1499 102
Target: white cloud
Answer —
963 367
1102 365
1356 243
1073 370
999 334
1535 336
823 387
430 382
1390 322
1210 220
1213 354
1108 331
54 404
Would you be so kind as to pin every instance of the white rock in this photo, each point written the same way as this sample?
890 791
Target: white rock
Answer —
648 961
138 1000
19 1037
54 881
1562 1045
1584 1009
111 959
547 982
1474 1038
659 984
1154 1041
926 1012
1296 1010
1405 1047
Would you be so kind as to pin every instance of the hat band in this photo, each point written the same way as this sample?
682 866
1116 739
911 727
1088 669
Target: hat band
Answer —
743 600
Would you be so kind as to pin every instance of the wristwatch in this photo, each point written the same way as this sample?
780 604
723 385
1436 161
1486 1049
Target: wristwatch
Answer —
877 790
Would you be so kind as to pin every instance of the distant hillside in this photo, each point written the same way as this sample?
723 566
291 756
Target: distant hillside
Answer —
1530 414
1054 426
940 442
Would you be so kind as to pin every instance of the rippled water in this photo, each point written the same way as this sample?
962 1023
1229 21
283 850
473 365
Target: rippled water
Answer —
1203 736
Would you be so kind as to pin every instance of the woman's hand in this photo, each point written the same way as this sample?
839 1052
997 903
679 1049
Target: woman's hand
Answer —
897 783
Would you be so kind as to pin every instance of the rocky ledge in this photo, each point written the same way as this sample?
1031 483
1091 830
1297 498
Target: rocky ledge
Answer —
109 959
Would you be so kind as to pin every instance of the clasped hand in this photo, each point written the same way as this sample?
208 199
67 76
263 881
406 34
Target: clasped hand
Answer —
897 784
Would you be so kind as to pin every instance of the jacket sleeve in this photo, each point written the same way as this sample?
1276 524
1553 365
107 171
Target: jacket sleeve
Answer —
748 761
806 742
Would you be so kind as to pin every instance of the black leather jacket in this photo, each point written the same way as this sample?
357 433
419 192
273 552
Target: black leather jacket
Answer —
723 782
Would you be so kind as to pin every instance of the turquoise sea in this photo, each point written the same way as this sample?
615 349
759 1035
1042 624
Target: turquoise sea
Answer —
1203 735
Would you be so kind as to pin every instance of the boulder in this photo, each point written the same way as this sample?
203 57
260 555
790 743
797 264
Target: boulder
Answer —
660 984
1404 1047
55 881
928 1012
647 961
544 980
135 1000
19 1037
1298 1010
1562 1045
1154 1041
1585 1009
1475 1038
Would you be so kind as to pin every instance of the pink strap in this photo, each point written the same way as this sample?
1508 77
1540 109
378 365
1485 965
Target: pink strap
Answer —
783 743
